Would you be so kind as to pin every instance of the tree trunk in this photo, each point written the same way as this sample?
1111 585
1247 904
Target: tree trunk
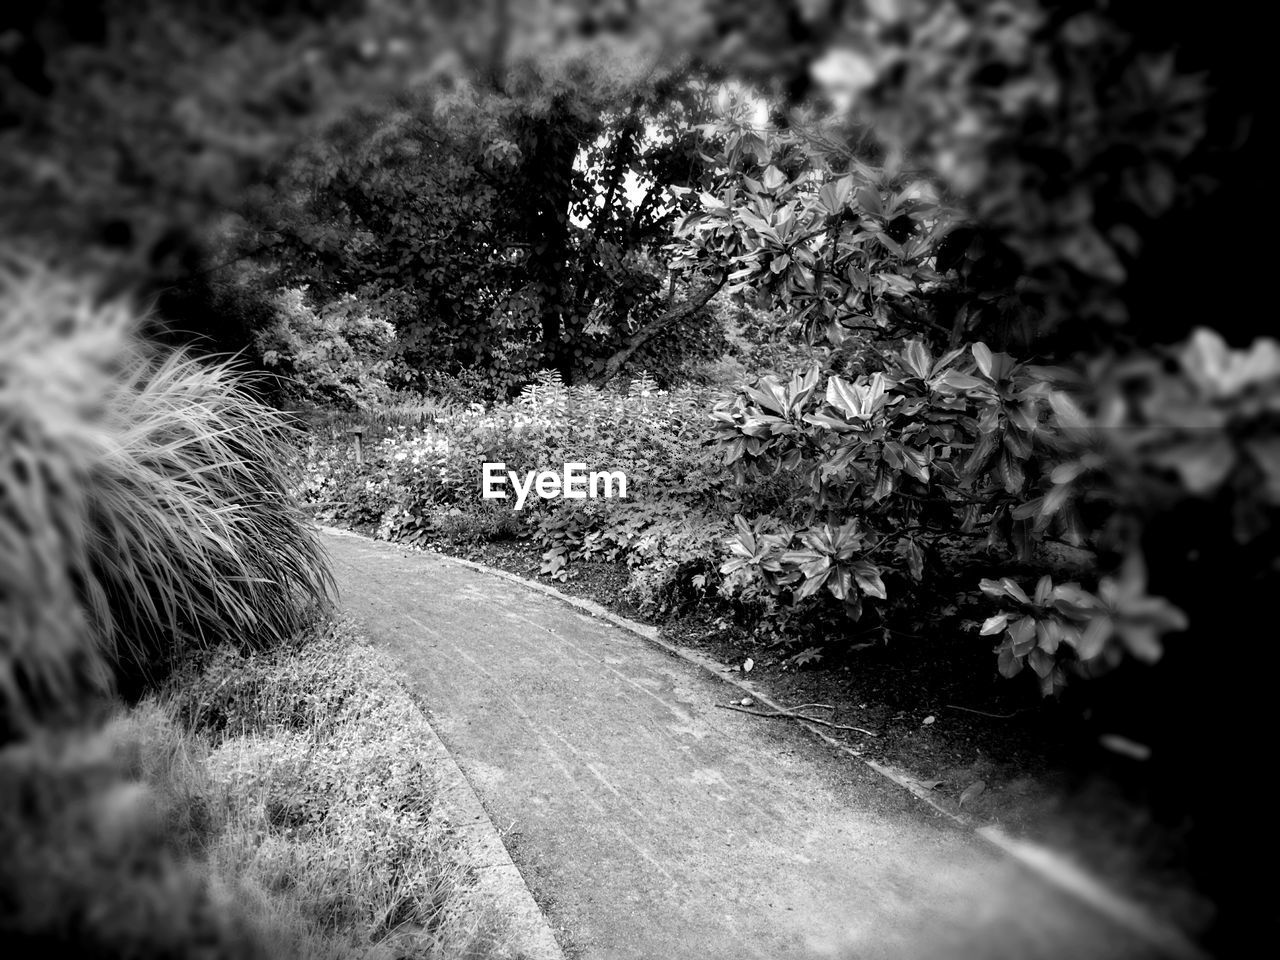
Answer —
550 146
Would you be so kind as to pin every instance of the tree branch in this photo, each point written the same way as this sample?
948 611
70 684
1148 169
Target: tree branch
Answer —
607 370
792 715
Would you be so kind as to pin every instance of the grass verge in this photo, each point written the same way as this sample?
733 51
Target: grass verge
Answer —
273 805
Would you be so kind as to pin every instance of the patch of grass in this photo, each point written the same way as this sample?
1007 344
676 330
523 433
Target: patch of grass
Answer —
101 835
266 805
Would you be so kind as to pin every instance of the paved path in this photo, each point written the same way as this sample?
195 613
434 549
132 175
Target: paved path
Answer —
650 824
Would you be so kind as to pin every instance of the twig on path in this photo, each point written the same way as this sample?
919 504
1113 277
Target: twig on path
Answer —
984 713
790 715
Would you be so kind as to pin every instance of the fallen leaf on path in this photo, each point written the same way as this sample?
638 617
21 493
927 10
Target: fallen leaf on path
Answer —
972 791
1124 746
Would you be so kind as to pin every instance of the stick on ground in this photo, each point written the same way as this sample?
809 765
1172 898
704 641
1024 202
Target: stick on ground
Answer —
790 715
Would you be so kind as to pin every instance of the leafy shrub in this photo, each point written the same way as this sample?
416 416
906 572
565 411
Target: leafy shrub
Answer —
908 435
337 353
898 463
144 503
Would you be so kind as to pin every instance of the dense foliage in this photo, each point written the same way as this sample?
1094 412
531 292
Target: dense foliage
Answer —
143 504
335 355
423 485
901 438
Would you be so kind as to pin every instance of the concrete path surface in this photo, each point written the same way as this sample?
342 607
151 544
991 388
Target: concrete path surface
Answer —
649 824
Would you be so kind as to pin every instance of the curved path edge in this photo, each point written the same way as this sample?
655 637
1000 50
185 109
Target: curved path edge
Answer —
1043 862
498 881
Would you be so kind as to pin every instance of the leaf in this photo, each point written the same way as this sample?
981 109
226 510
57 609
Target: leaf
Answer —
993 625
893 281
840 585
1041 662
955 380
1095 636
1022 635
773 178
916 357
883 486
916 464
972 792
1141 640
915 559
867 576
982 354
1008 664
812 583
1029 509
856 400
828 422
768 393
1070 597
1055 500
1202 465
1048 635
1070 416
1013 590
1266 454
831 199
1012 474
869 200
853 605
806 656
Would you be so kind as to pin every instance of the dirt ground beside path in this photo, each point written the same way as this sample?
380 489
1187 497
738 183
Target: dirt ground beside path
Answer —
650 824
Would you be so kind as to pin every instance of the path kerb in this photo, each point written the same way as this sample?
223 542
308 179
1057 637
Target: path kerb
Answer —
1039 860
498 882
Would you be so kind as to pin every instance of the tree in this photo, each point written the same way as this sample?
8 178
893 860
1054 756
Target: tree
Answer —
506 231
128 131
132 132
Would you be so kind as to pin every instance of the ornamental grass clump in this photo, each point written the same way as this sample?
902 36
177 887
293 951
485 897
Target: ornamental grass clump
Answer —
144 504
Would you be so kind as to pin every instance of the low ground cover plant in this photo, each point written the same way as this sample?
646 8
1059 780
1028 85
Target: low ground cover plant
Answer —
424 483
270 805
